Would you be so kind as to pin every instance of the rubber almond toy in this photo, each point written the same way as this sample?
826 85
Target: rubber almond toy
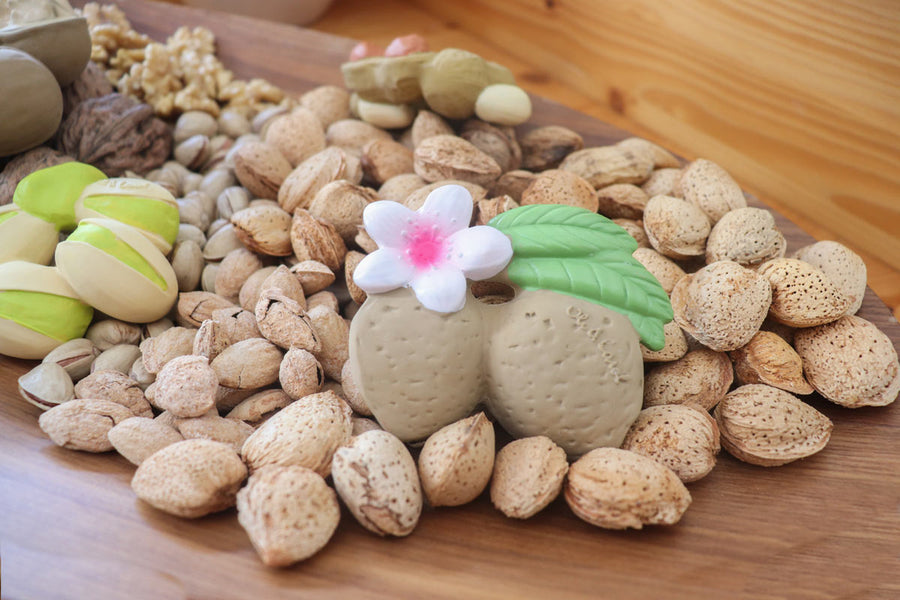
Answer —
560 358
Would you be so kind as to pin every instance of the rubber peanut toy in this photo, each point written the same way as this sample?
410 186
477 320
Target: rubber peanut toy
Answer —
453 83
558 356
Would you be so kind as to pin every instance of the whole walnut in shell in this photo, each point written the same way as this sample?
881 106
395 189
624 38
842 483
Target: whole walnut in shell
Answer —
116 133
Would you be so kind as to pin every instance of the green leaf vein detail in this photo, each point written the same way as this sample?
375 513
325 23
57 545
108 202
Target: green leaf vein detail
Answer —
582 254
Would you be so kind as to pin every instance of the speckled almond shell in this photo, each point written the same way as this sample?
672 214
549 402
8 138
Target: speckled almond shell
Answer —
419 370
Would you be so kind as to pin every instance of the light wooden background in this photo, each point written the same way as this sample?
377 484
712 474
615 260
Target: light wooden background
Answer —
798 99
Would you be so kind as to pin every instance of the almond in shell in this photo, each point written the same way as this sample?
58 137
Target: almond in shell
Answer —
528 476
190 479
700 378
376 477
289 513
769 359
83 424
306 433
710 188
769 427
682 437
618 489
456 462
140 437
850 362
606 165
802 295
264 229
443 157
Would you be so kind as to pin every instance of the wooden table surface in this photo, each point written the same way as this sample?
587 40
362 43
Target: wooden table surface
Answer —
824 527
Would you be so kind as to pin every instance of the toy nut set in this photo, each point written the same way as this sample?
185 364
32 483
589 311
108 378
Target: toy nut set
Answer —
379 294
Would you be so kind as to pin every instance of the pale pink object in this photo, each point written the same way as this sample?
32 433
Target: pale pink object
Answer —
365 50
432 250
407 44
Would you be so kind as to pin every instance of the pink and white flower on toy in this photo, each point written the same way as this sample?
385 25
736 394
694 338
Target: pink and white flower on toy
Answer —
432 250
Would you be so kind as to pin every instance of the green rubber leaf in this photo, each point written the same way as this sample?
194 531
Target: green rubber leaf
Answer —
582 254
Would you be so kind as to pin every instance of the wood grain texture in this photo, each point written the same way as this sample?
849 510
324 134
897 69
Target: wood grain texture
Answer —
797 99
824 527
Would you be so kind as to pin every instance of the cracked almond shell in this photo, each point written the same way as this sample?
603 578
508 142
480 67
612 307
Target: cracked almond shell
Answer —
376 477
247 365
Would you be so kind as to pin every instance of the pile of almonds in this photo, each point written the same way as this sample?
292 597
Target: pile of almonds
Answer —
245 396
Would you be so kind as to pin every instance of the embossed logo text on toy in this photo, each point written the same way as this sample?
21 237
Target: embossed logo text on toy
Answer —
581 321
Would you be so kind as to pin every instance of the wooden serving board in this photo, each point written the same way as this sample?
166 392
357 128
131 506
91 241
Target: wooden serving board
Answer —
824 527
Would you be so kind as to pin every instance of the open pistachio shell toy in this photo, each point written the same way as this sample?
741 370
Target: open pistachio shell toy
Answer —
559 356
51 193
25 237
39 310
117 270
142 204
43 45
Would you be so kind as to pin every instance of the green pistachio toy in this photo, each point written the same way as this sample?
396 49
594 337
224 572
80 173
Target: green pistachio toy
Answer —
117 270
51 193
25 237
136 202
38 310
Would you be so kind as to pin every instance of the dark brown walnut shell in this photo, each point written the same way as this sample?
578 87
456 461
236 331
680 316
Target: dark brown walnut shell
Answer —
115 134
26 164
92 83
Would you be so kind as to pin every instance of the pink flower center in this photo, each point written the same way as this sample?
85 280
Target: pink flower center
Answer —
424 246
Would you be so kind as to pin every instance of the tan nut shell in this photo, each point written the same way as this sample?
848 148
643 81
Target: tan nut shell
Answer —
289 513
116 387
666 271
528 476
264 229
443 157
675 345
83 424
376 477
342 203
710 188
662 182
769 427
556 186
139 437
190 479
722 305
297 135
802 295
675 228
160 349
210 426
769 359
300 373
260 407
683 438
261 168
842 265
234 270
457 460
850 362
315 239
186 386
618 489
248 364
748 236
605 165
111 286
333 333
306 433
302 184
701 378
